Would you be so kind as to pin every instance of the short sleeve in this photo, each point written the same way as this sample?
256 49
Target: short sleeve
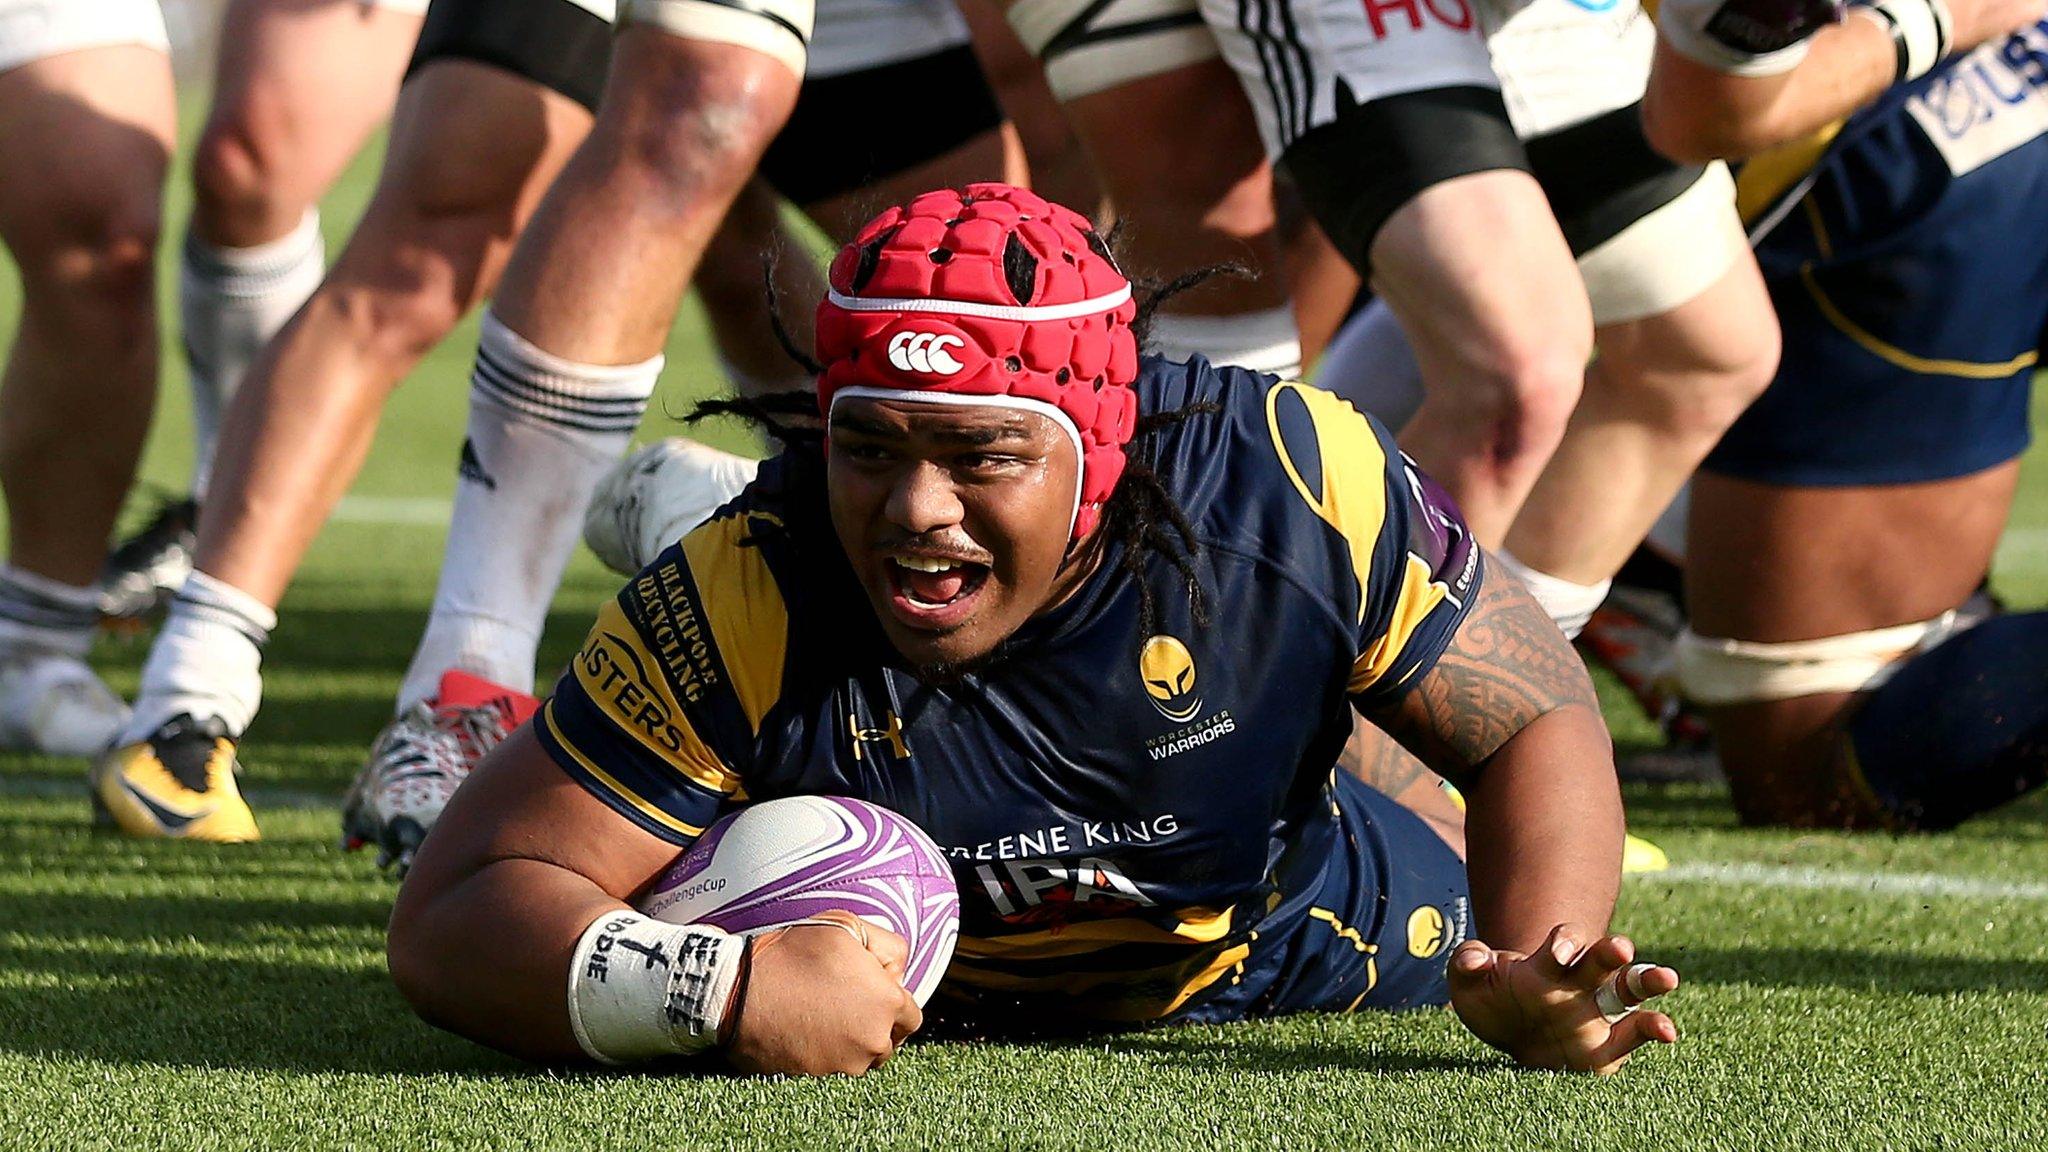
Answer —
659 712
1411 560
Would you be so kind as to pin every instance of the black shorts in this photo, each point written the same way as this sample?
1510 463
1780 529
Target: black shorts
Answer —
558 44
831 145
1356 170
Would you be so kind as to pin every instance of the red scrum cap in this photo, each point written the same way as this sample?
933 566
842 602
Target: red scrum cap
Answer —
989 295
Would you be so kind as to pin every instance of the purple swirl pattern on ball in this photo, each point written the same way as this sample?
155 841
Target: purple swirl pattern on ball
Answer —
870 861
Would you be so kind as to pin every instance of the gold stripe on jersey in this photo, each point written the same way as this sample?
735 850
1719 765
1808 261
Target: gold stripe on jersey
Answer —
1768 175
1129 996
743 603
1898 357
1353 473
625 683
1197 926
1419 596
547 717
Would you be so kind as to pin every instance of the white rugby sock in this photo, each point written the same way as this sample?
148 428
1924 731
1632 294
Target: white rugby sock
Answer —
206 660
542 432
1567 602
231 301
38 612
1370 363
1261 341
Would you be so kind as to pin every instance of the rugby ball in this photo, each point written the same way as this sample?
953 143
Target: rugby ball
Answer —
780 861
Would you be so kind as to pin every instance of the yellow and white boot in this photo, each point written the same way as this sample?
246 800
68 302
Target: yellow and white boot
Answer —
179 784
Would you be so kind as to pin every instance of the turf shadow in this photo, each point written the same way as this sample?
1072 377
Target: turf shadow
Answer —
171 981
1856 970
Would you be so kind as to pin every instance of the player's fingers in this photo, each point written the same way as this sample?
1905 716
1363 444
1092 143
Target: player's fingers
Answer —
1470 967
1607 956
909 1018
1631 1033
1641 982
889 948
1561 952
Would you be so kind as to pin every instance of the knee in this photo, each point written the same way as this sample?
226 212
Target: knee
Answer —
1520 394
401 298
1695 390
673 132
236 169
411 272
94 265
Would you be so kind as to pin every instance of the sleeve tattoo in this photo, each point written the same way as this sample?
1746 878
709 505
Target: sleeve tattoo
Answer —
1506 665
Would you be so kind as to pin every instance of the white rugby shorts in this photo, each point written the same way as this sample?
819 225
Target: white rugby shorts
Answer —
777 28
32 30
1302 62
1561 62
856 35
1088 46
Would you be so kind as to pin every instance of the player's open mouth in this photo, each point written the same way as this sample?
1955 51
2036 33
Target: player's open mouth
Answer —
934 593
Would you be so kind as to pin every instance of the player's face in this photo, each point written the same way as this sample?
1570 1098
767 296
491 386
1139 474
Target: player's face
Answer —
956 520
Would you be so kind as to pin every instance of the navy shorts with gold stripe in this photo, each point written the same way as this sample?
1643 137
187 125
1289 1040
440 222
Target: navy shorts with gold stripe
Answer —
1911 281
1392 907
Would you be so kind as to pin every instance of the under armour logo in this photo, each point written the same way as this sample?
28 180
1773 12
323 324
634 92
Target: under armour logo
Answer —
925 352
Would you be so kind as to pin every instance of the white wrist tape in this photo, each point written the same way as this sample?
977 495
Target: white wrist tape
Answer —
641 988
1921 30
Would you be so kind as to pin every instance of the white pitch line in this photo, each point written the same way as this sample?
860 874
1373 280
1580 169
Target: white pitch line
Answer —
403 511
1846 880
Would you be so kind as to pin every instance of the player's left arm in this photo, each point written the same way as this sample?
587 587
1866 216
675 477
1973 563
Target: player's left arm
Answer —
1508 714
1458 663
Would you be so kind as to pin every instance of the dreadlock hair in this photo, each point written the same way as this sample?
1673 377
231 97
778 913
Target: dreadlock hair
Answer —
1141 514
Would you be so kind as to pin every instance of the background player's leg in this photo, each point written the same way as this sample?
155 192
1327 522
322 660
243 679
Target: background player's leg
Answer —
731 283
1059 165
85 139
1180 158
569 360
666 489
1486 289
437 231
1661 392
299 86
1774 563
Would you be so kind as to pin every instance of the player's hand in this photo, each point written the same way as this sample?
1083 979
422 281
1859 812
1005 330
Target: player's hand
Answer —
822 999
1977 21
1544 1009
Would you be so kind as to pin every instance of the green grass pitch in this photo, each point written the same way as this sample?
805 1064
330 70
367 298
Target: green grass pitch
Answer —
1841 992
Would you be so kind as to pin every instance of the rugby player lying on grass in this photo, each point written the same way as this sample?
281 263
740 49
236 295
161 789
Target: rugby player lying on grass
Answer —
1096 623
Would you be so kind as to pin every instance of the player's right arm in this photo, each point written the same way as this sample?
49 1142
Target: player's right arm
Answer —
524 861
513 928
1733 78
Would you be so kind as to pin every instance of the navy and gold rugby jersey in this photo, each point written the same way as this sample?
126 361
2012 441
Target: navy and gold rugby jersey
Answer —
1911 283
1137 822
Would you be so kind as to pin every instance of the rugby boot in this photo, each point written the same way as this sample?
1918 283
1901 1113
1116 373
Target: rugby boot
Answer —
420 758
1634 635
51 702
144 570
656 495
177 785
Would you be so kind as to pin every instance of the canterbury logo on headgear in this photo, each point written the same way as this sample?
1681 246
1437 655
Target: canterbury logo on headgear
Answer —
925 352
